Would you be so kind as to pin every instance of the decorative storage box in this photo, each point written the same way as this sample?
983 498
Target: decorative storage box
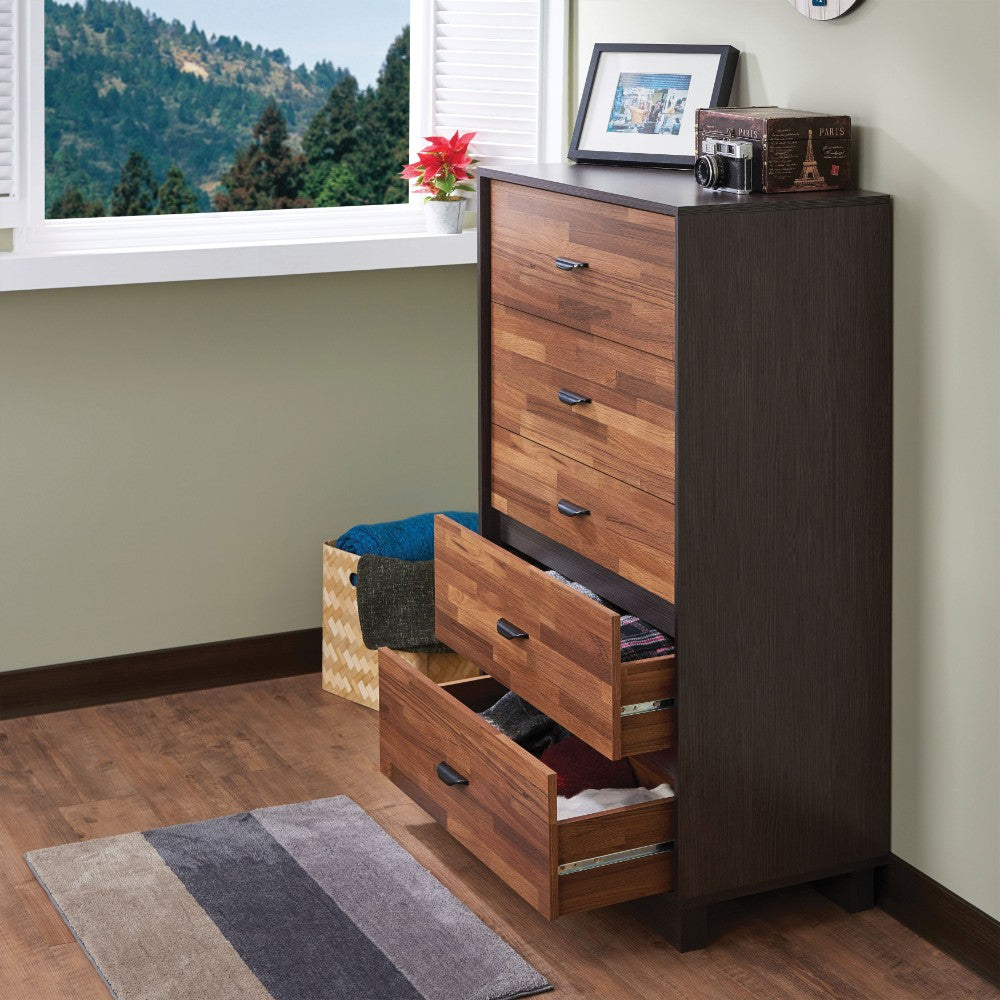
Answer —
793 150
350 669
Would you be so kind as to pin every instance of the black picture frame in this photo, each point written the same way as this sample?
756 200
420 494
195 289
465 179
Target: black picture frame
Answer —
671 149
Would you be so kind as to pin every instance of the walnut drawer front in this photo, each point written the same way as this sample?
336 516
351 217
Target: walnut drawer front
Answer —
603 404
597 267
500 801
629 531
556 648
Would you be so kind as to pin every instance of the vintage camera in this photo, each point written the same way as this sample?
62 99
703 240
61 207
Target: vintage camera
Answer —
725 165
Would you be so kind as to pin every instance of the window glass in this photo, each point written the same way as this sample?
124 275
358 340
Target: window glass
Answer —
182 106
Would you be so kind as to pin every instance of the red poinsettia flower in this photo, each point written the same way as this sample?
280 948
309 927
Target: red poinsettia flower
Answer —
457 144
431 165
443 167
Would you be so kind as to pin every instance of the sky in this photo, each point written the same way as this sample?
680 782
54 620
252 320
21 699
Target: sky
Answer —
351 33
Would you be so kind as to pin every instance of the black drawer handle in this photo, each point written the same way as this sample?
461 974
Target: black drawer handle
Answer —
572 398
565 264
509 630
449 775
571 509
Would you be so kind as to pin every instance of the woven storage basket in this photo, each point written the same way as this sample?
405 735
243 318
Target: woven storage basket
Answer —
350 669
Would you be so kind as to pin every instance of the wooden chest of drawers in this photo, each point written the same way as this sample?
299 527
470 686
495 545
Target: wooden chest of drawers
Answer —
685 406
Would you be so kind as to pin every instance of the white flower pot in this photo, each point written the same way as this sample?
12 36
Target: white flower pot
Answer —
444 216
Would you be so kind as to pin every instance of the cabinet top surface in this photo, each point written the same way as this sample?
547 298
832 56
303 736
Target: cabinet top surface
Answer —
669 191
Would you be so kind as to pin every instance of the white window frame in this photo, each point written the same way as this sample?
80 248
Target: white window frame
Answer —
111 251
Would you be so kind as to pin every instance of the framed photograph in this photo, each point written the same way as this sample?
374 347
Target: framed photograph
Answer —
639 102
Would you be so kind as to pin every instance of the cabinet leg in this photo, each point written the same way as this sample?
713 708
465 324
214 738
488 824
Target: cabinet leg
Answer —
686 929
854 891
691 929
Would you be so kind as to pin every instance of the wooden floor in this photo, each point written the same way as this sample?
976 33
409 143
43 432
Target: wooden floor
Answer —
100 771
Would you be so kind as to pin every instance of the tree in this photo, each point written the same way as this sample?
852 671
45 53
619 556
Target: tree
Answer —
175 196
340 187
326 75
72 205
266 174
387 128
357 142
332 135
135 192
333 131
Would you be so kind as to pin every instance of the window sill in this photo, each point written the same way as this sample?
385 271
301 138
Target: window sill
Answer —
46 267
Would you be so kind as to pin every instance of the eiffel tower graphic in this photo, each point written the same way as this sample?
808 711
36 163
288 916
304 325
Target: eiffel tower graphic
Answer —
810 175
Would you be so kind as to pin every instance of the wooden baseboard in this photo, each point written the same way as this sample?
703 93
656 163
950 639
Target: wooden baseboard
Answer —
164 671
937 914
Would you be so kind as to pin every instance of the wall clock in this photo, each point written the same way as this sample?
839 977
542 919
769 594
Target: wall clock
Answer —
823 10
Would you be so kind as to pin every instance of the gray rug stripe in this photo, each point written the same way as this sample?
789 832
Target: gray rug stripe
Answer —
292 935
441 946
145 935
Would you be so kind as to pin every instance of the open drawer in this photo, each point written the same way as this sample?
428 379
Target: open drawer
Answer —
555 647
500 801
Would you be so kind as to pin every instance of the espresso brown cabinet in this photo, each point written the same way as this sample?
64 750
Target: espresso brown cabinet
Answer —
686 404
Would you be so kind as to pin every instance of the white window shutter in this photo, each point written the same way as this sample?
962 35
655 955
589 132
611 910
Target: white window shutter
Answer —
8 96
485 76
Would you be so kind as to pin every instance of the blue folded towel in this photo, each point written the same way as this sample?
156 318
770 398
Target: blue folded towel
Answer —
411 538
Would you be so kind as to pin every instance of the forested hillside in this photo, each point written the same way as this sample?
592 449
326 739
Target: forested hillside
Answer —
147 116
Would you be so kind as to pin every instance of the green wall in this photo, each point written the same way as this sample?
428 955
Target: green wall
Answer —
922 82
172 456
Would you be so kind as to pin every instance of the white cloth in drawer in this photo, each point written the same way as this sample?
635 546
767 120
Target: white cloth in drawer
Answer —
594 800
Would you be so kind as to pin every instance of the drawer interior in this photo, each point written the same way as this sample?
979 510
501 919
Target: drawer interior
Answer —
502 802
642 679
606 856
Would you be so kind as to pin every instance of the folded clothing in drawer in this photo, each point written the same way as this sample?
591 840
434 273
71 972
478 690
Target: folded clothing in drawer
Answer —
639 640
524 724
580 767
586 781
598 800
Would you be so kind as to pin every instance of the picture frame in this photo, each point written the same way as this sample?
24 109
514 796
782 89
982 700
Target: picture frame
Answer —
639 102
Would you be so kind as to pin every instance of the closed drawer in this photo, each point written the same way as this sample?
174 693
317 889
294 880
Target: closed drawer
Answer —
505 812
629 531
626 290
605 405
565 658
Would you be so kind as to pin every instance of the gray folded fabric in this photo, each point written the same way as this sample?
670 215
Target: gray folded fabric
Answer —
524 724
396 604
578 587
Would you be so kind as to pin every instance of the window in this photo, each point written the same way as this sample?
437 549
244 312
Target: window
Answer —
179 109
496 67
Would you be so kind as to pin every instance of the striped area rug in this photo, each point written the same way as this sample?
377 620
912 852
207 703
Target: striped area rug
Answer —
297 902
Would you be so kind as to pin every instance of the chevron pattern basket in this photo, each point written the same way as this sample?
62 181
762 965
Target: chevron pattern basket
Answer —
350 669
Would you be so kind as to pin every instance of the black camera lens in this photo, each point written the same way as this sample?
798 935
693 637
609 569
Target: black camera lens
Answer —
708 170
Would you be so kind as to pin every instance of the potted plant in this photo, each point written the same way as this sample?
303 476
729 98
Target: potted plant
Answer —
442 170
